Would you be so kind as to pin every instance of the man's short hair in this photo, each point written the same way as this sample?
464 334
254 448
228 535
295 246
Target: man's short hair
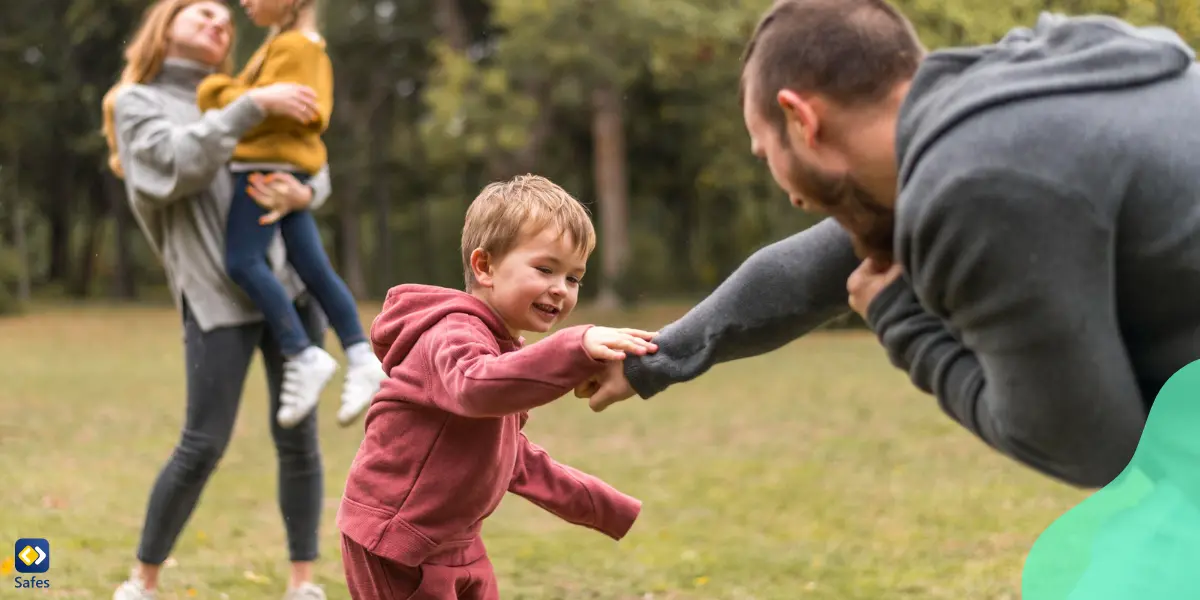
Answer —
505 212
852 51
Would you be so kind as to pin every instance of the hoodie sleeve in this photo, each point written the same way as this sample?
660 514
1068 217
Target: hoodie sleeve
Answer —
780 293
1021 343
570 494
482 382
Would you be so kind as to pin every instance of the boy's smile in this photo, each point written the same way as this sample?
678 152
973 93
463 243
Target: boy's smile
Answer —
535 284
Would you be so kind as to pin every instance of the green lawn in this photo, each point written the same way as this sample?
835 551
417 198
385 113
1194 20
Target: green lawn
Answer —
813 472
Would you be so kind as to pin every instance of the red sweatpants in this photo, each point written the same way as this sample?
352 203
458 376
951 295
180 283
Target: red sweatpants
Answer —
372 577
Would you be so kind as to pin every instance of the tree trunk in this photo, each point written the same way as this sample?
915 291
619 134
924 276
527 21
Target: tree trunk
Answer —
60 237
683 210
81 284
381 178
450 22
124 281
349 235
351 245
608 140
20 241
348 240
526 159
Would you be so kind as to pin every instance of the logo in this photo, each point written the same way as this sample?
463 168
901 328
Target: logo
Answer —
32 555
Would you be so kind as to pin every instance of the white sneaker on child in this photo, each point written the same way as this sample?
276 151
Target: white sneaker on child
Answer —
133 589
306 591
304 376
363 378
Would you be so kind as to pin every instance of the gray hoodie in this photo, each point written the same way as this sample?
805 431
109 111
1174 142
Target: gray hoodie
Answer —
1049 226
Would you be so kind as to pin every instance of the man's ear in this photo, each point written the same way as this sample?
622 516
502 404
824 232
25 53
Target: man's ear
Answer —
800 115
481 267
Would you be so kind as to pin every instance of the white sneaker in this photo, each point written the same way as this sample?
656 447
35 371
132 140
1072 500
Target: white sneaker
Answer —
304 376
306 591
362 381
133 589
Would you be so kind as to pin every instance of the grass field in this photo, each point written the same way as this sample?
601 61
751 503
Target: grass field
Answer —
814 472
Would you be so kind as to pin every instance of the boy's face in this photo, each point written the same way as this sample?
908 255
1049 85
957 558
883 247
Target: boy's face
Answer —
536 284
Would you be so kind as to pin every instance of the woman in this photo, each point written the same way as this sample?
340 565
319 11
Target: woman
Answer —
173 159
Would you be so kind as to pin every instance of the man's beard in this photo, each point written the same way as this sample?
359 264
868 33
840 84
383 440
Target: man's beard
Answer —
871 225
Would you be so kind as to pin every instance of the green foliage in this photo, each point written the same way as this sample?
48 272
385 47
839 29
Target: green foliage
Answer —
428 111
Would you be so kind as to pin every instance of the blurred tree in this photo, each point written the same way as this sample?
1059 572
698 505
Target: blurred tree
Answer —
632 106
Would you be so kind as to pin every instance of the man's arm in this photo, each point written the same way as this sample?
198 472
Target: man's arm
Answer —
780 293
570 494
1022 271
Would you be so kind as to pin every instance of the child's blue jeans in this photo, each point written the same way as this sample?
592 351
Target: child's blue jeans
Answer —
246 244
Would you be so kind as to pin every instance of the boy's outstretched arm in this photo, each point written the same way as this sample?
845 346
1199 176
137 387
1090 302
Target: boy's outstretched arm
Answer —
480 381
570 494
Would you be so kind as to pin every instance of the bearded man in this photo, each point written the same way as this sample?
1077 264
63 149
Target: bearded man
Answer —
1019 223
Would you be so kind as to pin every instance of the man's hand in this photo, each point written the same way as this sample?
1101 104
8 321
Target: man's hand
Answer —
607 388
606 343
867 281
280 193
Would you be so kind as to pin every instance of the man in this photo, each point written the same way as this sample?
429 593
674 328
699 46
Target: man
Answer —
1027 214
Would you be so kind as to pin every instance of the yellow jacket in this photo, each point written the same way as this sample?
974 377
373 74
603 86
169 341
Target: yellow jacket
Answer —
292 57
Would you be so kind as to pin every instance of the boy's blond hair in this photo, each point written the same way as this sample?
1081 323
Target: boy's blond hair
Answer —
505 212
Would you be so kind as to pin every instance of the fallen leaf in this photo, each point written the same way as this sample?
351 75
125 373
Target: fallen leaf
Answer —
255 577
701 581
53 502
191 592
6 566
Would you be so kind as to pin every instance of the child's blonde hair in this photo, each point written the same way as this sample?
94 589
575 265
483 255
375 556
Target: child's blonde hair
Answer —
144 58
252 69
506 211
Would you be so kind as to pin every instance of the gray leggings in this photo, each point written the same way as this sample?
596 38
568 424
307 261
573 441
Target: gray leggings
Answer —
217 362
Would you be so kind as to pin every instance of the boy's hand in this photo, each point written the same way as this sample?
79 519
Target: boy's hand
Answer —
606 343
606 388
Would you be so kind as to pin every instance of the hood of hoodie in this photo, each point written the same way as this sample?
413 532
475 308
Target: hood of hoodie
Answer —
410 310
1059 55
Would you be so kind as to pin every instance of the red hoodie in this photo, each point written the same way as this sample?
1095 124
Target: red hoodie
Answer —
443 436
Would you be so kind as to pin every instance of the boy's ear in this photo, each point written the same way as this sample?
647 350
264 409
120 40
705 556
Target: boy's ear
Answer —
481 267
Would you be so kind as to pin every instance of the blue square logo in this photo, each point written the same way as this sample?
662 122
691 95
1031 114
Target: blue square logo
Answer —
31 555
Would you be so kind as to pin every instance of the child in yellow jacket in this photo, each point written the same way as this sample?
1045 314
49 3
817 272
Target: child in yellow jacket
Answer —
293 52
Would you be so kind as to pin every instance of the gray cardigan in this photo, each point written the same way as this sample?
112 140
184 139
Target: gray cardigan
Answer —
178 185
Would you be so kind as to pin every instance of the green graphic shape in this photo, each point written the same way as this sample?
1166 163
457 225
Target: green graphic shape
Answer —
1138 537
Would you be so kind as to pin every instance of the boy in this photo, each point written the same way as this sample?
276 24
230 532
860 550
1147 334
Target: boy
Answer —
443 436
